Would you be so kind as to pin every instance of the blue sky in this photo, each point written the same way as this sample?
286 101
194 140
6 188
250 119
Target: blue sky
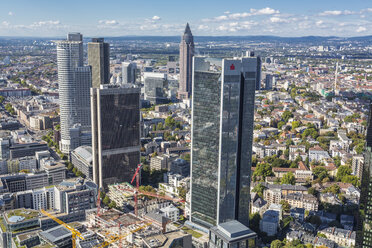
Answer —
168 17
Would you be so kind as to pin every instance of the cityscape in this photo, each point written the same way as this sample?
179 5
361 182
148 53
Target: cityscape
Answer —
242 126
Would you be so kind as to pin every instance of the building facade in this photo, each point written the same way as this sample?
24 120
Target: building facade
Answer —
74 81
186 54
99 60
116 134
128 72
222 132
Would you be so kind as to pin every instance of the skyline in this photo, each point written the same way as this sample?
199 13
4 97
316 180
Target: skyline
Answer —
118 18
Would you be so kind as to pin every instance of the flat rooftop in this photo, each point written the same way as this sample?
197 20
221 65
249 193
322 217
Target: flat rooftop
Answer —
233 231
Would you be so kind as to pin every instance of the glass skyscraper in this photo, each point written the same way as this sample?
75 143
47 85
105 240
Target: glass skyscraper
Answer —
364 234
99 60
222 131
115 134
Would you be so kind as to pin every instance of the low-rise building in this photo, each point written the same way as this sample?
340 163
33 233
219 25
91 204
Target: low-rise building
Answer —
270 222
341 236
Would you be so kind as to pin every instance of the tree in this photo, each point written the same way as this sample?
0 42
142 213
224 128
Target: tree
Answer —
259 189
182 192
2 99
285 205
295 124
112 204
359 148
276 244
263 170
170 122
280 124
106 200
288 178
287 115
342 171
311 191
320 172
314 219
335 189
254 222
160 126
354 180
186 157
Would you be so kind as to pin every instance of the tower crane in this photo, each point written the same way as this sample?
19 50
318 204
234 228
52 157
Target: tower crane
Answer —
75 233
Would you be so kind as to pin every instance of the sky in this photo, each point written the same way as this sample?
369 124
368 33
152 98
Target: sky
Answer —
287 18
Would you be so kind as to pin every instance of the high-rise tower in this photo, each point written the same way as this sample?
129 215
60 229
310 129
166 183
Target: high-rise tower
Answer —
99 60
364 233
186 54
74 81
115 134
222 131
128 72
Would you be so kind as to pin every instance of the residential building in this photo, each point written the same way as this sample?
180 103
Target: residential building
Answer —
306 201
342 237
222 133
357 165
186 64
317 154
99 60
270 222
171 212
116 134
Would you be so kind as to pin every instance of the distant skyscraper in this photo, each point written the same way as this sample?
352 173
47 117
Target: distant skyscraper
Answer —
364 234
259 66
116 134
186 54
156 86
222 131
74 81
128 72
99 60
269 79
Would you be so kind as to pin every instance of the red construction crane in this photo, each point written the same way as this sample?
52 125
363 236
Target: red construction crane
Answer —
136 176
137 190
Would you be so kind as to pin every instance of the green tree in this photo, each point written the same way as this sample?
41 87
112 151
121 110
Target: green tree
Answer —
106 201
280 124
259 189
160 126
276 244
314 219
311 191
186 157
288 178
320 172
285 206
254 222
170 122
295 124
359 148
263 170
342 171
112 204
287 115
182 192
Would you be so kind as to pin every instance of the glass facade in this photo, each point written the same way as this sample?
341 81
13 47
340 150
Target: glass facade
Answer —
205 146
156 89
116 134
364 233
222 132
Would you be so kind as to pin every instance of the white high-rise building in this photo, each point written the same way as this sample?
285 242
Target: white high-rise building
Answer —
74 81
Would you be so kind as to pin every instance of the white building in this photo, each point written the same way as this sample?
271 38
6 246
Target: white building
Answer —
43 198
170 212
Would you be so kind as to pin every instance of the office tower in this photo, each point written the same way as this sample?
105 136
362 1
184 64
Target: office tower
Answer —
99 60
156 86
364 233
74 81
128 72
116 134
269 79
222 131
186 54
259 66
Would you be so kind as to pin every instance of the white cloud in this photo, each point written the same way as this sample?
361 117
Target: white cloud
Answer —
202 27
361 29
5 23
319 23
336 12
276 19
45 23
10 13
156 18
108 22
264 11
235 16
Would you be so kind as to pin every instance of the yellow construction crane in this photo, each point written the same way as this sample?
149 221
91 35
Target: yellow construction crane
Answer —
119 237
72 230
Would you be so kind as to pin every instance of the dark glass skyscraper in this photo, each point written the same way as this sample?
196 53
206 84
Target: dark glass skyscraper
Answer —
99 60
186 54
222 130
115 134
364 236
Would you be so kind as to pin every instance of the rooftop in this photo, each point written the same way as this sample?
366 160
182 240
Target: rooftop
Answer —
233 230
